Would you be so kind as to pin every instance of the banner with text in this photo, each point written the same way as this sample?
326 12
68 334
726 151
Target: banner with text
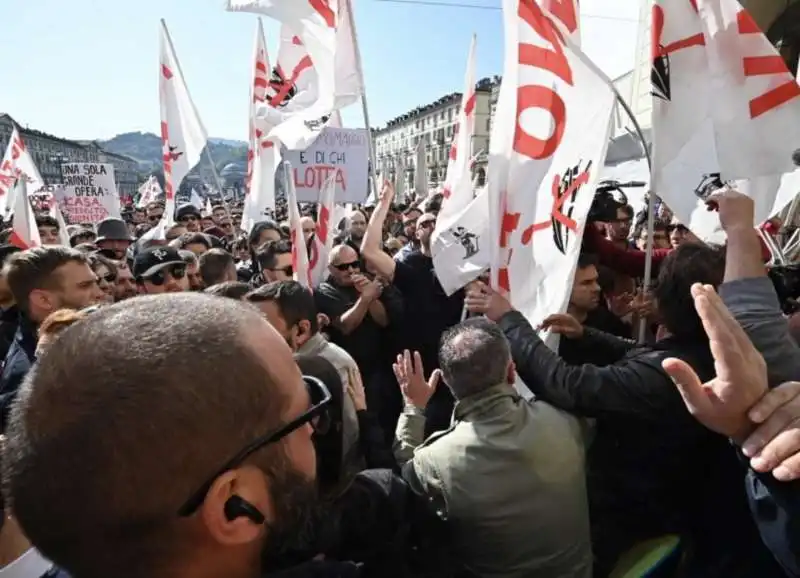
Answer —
341 152
90 194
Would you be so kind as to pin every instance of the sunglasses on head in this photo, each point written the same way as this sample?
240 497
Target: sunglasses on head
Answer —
160 277
345 266
315 415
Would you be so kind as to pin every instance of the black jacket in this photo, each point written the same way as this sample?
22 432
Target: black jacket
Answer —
18 362
652 468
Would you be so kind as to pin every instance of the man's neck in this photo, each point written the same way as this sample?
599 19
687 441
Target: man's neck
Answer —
579 314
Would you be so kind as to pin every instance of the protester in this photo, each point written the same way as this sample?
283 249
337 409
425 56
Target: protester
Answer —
246 409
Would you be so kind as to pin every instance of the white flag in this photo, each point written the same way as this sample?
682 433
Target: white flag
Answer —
553 123
183 135
24 232
55 212
196 200
262 155
149 192
464 246
17 162
725 108
567 17
457 193
322 241
324 30
302 273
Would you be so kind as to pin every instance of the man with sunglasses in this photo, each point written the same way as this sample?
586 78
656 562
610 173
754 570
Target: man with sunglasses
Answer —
160 270
219 469
154 210
189 216
275 261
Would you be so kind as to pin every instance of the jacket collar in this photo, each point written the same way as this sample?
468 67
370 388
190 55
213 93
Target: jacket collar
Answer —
313 346
479 402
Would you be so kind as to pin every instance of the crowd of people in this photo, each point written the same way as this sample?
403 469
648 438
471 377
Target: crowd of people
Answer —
184 408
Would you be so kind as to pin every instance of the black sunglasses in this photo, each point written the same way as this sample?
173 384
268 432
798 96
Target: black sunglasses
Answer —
320 398
288 270
345 266
108 278
154 218
159 277
188 219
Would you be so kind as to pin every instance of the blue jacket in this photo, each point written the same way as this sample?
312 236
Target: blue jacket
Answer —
19 360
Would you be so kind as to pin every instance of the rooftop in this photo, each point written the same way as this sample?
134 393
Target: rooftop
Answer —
483 85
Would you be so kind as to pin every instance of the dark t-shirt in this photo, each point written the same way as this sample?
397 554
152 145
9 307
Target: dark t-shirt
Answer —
428 310
366 343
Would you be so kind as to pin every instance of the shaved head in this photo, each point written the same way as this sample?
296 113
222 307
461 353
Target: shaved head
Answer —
342 254
127 413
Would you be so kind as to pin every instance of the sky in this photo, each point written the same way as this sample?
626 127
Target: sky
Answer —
88 69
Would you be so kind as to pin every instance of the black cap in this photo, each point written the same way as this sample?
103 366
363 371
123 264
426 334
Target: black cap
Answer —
152 260
187 210
112 229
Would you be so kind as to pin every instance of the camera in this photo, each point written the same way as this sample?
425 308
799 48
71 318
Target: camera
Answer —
608 198
709 185
786 280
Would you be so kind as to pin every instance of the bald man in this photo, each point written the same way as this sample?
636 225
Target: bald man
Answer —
186 464
309 228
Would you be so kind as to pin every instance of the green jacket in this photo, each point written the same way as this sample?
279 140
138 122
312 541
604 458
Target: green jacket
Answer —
509 478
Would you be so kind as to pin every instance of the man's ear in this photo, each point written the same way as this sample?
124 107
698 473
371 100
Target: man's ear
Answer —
41 299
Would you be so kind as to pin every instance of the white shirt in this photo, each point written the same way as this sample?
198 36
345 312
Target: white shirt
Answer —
30 565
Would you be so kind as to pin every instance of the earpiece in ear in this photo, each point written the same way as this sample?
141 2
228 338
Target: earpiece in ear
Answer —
238 507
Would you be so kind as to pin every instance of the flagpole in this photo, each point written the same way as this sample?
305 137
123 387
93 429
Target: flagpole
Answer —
364 107
651 204
215 175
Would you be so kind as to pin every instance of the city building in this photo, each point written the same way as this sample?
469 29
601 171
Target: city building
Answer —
433 124
49 152
126 169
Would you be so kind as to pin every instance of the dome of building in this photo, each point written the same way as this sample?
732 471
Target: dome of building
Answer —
233 170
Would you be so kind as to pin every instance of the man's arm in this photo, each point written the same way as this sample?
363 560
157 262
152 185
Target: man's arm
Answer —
634 387
749 293
372 251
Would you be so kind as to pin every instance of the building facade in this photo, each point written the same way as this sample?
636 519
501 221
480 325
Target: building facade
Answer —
49 152
434 125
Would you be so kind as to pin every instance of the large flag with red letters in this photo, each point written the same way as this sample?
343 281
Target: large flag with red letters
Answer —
725 108
552 127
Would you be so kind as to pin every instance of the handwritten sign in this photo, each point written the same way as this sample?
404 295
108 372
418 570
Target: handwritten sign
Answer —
89 194
341 152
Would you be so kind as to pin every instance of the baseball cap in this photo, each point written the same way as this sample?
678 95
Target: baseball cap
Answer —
153 259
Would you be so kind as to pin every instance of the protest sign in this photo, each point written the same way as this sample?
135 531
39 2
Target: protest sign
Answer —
341 152
90 194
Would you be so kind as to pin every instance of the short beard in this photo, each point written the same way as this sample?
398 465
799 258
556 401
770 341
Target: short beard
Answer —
294 535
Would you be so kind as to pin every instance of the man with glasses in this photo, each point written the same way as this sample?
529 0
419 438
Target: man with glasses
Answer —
361 311
189 216
219 469
275 261
154 211
160 270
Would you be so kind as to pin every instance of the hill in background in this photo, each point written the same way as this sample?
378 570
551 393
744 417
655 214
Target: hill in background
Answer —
145 147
